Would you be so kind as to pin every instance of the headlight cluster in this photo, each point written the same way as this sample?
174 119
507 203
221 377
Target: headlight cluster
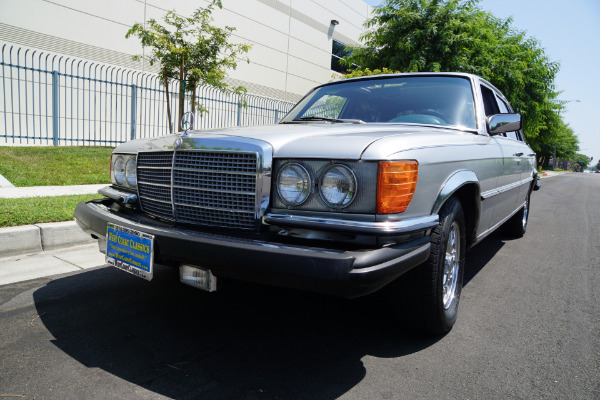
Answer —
337 185
361 187
123 170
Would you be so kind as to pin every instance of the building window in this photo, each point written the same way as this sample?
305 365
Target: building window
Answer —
339 51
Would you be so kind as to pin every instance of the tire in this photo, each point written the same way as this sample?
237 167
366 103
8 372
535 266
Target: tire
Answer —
427 296
434 287
443 275
516 226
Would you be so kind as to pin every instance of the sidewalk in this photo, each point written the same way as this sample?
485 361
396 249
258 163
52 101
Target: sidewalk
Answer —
549 174
35 251
42 191
51 262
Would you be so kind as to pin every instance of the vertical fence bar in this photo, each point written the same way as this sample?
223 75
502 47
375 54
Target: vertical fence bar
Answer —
26 100
55 132
12 96
133 110
19 95
4 97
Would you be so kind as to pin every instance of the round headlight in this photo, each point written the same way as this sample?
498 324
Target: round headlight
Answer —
293 184
119 170
337 186
130 175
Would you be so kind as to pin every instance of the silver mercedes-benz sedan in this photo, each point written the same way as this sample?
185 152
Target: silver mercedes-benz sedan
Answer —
381 181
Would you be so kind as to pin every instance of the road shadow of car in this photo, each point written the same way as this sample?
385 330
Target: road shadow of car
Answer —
481 254
244 342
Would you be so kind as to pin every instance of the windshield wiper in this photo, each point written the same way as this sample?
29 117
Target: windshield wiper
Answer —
313 118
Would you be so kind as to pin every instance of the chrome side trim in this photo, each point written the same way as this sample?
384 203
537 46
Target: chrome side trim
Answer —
452 185
351 226
119 196
503 189
493 228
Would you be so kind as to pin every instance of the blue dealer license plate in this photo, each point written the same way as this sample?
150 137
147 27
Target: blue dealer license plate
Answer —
130 250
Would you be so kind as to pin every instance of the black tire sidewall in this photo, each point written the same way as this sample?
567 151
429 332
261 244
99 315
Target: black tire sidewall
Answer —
439 319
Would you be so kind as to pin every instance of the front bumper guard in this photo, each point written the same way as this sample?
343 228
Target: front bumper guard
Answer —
348 273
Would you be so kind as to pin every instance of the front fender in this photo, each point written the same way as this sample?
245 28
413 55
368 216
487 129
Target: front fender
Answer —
452 185
465 186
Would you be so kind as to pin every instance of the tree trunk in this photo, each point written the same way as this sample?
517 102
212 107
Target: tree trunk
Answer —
181 89
194 99
167 98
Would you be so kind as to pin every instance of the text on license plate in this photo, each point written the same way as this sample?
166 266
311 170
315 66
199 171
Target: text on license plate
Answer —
130 250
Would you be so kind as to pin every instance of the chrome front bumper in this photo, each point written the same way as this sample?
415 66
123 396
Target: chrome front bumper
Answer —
348 273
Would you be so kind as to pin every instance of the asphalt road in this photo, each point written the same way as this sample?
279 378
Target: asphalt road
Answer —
528 328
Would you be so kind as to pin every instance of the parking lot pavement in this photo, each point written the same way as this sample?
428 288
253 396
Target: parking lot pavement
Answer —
38 265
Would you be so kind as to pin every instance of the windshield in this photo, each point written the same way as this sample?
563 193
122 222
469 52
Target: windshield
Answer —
430 100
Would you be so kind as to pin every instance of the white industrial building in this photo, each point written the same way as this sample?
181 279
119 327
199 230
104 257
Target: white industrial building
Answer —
291 39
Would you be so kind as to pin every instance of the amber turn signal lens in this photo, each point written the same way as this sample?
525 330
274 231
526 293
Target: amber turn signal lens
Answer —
396 183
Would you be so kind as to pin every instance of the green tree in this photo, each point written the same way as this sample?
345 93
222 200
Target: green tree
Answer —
191 50
357 73
580 162
457 36
557 136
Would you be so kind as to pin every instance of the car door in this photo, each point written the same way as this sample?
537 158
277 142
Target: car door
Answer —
524 156
508 164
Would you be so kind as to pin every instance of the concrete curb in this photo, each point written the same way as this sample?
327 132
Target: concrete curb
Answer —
28 239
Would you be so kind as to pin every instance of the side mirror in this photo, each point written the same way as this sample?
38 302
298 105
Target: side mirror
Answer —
502 123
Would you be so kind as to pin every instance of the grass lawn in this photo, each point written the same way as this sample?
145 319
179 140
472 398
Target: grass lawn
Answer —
55 166
32 210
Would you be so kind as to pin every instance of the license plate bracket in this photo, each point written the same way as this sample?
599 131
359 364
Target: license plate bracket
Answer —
130 250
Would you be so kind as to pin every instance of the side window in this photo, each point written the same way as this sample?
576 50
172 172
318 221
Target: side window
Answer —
494 105
489 102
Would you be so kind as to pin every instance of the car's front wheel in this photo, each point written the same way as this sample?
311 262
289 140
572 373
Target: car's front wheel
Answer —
430 293
442 275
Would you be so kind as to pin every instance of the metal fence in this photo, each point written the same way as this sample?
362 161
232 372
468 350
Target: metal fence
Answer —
50 99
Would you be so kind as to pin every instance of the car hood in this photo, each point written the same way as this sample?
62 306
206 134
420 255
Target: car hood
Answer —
331 141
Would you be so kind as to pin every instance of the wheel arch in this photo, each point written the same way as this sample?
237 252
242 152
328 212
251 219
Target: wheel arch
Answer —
465 186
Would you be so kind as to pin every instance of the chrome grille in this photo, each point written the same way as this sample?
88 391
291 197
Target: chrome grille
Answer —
200 187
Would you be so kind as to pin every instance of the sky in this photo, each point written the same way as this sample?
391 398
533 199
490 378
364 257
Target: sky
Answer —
570 34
